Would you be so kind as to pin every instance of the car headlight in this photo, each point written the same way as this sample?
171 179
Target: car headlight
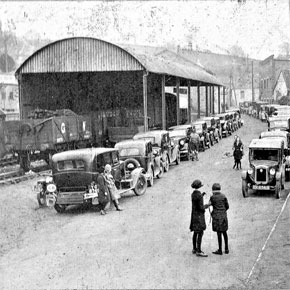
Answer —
182 142
272 171
51 187
250 171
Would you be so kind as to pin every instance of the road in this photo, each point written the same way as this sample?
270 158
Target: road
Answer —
148 245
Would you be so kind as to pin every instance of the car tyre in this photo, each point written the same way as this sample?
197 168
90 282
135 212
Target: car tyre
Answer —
278 189
245 189
151 179
166 164
141 185
159 175
41 198
177 161
60 208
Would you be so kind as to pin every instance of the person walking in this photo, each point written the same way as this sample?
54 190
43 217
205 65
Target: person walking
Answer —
238 152
114 195
220 205
197 222
194 141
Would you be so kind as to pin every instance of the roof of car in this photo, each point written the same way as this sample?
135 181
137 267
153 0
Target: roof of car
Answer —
81 153
198 122
276 133
131 142
266 143
180 127
207 118
150 133
181 132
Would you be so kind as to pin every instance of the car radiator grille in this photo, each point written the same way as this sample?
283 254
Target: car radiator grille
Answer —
261 174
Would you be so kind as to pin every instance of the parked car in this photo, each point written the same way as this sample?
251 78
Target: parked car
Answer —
75 174
218 126
226 131
285 136
140 153
211 127
229 122
201 128
267 166
180 135
278 123
162 143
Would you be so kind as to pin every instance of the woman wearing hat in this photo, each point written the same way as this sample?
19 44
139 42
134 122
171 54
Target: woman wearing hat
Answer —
220 206
104 194
197 223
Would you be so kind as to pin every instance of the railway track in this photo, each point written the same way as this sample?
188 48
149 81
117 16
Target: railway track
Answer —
14 174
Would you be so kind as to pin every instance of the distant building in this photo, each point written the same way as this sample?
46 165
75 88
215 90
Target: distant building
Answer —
9 99
282 86
270 69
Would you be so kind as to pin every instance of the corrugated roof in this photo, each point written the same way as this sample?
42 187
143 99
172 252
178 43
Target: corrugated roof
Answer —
164 61
91 54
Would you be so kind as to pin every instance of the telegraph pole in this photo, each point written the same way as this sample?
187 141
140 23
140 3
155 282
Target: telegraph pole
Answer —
253 92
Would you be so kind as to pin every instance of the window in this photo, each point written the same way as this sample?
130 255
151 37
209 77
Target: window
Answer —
70 165
115 158
129 152
107 158
242 95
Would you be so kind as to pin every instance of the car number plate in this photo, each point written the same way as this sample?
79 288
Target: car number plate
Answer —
264 187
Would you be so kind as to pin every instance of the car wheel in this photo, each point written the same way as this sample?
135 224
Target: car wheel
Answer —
187 156
166 165
159 175
245 189
151 179
278 189
177 161
141 185
41 198
60 208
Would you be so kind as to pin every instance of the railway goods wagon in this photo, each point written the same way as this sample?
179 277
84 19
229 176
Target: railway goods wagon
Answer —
37 138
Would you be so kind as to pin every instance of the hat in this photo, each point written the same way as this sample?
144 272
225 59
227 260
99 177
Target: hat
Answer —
216 186
196 184
108 168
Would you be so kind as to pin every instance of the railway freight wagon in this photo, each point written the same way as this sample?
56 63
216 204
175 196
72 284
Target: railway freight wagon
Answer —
39 138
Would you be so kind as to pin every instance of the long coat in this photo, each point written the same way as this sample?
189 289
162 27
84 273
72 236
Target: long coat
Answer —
104 194
220 206
197 222
238 150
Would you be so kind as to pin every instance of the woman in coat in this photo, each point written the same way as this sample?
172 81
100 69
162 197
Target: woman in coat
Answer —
238 152
220 206
197 223
104 194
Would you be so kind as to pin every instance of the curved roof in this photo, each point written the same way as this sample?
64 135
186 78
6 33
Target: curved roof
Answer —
84 54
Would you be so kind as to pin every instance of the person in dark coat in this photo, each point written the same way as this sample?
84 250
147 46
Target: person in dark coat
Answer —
197 222
104 194
220 206
238 152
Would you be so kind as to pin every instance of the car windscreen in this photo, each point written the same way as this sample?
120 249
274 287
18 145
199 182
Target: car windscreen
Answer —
264 154
76 164
129 152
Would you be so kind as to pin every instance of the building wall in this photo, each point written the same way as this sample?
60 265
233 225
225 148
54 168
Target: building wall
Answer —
270 69
280 89
9 97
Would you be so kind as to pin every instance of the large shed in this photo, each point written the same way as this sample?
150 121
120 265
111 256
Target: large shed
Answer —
122 88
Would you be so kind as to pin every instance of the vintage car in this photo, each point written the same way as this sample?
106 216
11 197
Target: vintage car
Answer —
180 134
201 128
286 139
267 166
211 127
226 131
75 175
162 143
140 153
218 126
236 116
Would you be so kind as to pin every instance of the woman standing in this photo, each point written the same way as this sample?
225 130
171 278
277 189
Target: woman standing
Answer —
197 223
238 152
220 206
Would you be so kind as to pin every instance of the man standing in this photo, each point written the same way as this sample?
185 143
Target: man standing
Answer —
194 141
197 222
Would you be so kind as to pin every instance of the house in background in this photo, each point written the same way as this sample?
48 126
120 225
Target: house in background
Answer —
270 69
9 99
282 86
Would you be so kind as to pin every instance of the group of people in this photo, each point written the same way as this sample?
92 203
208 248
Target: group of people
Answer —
220 205
238 149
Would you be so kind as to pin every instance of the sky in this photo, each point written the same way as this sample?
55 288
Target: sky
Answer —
258 27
